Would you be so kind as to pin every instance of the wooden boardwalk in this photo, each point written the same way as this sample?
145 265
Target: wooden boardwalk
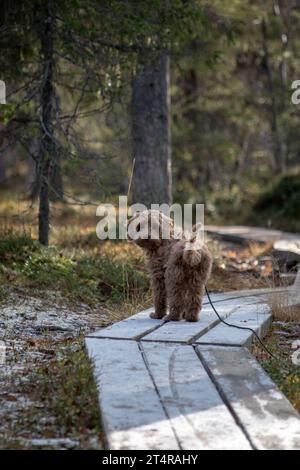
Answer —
241 233
180 385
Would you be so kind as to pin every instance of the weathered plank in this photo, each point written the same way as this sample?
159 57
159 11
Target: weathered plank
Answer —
198 415
287 251
141 324
244 234
256 317
268 418
132 414
296 284
183 331
247 296
130 328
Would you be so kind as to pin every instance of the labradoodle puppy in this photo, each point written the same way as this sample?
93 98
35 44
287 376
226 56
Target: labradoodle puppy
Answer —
179 268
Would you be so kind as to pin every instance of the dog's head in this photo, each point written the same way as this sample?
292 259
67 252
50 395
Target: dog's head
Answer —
149 228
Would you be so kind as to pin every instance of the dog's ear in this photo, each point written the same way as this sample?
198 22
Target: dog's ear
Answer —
165 219
166 226
133 227
197 229
127 225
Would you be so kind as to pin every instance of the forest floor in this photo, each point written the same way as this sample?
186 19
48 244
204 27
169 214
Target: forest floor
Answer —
51 297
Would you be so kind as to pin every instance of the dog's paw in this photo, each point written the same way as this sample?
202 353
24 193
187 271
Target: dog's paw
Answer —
155 316
173 317
193 317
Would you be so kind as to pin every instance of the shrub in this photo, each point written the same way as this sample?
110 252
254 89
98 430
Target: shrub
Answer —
281 200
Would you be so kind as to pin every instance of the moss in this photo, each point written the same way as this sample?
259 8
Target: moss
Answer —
14 246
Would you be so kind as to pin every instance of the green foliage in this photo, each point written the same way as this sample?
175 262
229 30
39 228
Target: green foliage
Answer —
284 373
287 378
282 197
222 116
7 112
221 101
116 280
100 277
46 267
15 247
280 202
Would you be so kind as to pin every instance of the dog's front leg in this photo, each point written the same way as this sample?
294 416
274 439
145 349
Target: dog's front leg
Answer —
159 297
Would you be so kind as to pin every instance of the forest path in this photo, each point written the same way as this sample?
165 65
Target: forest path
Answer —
285 245
246 234
179 385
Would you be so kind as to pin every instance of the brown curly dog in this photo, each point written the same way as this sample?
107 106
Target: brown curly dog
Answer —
179 268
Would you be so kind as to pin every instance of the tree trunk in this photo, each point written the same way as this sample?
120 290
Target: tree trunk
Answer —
151 141
56 184
2 161
47 149
279 157
4 7
3 180
34 178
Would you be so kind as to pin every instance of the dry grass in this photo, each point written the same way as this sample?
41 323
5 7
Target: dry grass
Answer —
258 249
281 310
237 268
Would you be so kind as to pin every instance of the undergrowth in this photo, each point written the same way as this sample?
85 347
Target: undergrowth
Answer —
284 373
63 401
109 274
279 205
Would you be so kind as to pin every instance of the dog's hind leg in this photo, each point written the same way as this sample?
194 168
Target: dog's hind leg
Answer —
159 296
193 304
174 283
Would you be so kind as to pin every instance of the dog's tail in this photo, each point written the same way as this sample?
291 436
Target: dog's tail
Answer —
188 252
192 252
199 258
191 257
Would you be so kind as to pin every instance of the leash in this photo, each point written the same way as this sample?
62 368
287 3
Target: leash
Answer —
241 328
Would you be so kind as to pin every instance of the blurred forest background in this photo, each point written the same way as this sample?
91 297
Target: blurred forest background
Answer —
78 75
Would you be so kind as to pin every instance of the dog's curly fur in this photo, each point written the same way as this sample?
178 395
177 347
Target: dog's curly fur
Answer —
178 273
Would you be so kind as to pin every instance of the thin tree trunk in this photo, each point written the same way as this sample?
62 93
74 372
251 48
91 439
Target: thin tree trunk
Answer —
277 147
4 7
3 180
151 141
56 184
283 70
47 149
3 13
2 161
